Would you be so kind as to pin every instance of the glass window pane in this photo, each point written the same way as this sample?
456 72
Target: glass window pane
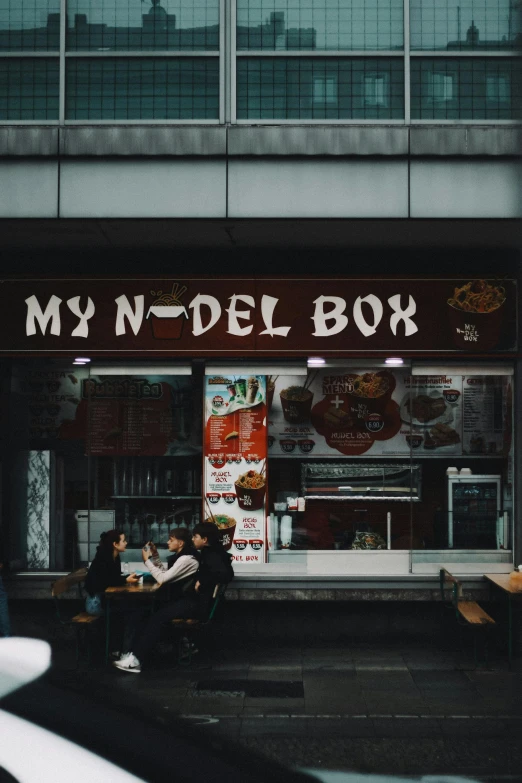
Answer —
29 89
32 25
476 24
475 89
338 24
143 24
320 88
171 89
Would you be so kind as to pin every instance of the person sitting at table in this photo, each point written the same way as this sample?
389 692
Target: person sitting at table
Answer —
105 570
213 566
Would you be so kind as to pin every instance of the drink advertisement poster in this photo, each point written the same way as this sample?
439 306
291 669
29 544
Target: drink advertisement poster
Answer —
370 413
235 463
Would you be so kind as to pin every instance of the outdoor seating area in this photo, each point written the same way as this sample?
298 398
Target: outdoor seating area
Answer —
119 600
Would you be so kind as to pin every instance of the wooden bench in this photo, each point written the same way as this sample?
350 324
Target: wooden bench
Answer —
468 612
81 621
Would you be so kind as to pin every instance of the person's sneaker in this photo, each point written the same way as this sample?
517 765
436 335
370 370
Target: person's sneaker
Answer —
129 663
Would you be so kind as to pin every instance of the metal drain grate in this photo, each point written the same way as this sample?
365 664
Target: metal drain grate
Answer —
261 689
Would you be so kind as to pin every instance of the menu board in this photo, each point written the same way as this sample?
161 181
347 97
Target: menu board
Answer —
235 463
388 413
487 414
51 396
139 416
431 414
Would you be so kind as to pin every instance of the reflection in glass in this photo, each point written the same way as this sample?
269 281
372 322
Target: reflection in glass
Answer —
459 25
108 88
29 89
320 88
33 26
471 88
143 24
320 24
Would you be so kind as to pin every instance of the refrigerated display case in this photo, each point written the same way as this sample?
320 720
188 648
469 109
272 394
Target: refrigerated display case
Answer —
475 517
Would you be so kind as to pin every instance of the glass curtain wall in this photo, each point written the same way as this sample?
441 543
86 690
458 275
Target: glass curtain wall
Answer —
389 460
382 460
292 60
99 452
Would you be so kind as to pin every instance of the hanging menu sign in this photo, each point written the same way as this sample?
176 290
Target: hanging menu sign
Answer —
136 416
487 414
431 414
235 463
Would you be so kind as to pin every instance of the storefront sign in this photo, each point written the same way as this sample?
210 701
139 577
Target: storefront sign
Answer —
378 413
235 463
257 317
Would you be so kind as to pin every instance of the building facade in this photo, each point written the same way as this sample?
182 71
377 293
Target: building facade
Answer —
371 147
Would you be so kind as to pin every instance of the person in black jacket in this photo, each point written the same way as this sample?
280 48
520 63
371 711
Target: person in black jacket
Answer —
214 568
105 570
215 565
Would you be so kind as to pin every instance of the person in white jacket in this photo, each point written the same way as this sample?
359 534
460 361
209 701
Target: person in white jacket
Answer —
181 565
178 575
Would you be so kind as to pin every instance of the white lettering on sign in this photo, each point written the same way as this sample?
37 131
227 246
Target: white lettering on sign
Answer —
376 305
34 313
82 330
268 305
336 314
233 315
135 317
215 311
329 315
403 315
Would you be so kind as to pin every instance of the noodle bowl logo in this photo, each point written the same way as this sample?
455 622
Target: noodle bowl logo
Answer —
167 313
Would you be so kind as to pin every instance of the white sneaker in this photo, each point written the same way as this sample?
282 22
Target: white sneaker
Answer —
129 663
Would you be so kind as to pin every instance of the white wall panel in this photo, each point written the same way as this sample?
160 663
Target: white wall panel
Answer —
28 189
318 188
465 189
142 188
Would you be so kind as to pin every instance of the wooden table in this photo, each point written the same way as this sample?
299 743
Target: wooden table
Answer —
510 587
143 590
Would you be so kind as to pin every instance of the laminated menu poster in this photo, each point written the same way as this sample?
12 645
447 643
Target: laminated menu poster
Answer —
334 411
487 415
377 412
235 463
135 416
431 414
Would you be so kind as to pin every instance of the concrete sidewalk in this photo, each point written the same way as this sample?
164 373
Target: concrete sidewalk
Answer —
397 708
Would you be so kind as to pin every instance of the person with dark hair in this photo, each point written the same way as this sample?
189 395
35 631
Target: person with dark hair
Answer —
215 564
105 570
180 576
212 566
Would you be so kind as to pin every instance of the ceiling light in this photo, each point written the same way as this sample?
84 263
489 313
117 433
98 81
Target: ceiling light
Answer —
82 359
316 361
394 360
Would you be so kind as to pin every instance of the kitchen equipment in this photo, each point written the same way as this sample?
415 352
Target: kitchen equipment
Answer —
474 511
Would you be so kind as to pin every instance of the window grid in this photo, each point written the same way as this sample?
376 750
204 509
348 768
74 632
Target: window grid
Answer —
309 41
127 89
460 25
188 25
29 25
320 24
467 88
29 88
320 88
